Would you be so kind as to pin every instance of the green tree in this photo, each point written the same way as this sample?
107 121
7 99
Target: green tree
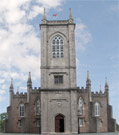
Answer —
117 127
3 117
1 125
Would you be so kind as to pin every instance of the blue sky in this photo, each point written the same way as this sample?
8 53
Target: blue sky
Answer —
96 36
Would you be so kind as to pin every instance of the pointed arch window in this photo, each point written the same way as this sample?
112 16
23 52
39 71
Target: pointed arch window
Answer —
97 109
80 106
21 110
37 107
58 47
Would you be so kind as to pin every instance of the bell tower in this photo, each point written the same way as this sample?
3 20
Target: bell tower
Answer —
58 63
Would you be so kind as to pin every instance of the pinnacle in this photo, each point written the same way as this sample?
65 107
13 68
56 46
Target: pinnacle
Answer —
106 84
70 14
11 85
100 89
29 78
29 82
88 75
44 15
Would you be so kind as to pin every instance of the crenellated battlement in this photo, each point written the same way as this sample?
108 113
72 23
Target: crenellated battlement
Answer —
98 93
82 89
35 89
20 95
58 22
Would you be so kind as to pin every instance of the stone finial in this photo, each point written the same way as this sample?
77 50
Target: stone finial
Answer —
29 82
30 75
107 90
29 78
106 84
44 15
88 86
11 85
44 20
70 16
88 81
100 89
88 78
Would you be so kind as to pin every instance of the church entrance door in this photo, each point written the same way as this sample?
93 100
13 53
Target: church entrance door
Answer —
59 123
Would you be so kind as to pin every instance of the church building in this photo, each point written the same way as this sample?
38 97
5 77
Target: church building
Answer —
59 106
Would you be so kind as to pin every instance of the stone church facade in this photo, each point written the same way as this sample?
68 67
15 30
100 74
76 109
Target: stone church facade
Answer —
59 106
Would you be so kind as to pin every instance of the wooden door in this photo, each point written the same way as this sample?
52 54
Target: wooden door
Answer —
59 123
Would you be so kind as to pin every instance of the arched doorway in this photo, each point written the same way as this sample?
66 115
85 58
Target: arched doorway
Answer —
59 123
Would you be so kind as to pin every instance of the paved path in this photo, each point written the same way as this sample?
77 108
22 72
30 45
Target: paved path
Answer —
62 134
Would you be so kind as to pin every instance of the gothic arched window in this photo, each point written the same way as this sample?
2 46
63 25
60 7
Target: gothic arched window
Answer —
37 107
97 109
21 110
80 106
58 47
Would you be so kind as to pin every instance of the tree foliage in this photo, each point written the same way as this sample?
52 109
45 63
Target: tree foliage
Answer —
117 127
3 117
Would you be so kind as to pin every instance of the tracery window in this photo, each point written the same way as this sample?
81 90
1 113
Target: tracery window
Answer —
21 110
80 106
58 47
37 107
97 109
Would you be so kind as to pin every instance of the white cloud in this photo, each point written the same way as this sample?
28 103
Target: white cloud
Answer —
2 92
18 11
83 37
2 81
16 48
2 98
35 11
50 3
19 40
3 86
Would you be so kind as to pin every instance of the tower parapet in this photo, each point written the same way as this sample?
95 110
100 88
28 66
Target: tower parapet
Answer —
98 94
20 95
82 90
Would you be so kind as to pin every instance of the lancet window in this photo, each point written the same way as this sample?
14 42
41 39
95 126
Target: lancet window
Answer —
97 109
80 106
37 107
21 110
